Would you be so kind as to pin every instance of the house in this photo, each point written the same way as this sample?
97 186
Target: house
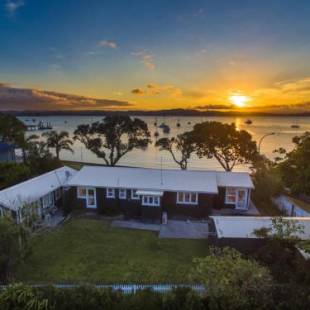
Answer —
158 194
38 196
7 152
292 206
242 227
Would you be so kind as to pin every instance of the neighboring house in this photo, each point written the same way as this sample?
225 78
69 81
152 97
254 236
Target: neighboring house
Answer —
157 194
7 152
242 227
292 207
39 195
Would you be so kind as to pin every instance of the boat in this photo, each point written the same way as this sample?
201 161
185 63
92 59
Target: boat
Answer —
44 126
295 126
166 129
248 122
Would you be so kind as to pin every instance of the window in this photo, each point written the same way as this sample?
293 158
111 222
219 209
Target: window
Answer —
134 194
187 198
122 194
110 193
231 195
58 193
81 192
48 200
91 198
153 201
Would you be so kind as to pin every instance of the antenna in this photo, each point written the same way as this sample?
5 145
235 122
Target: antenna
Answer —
161 171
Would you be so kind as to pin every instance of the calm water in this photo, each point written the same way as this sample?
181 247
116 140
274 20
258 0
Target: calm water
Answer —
152 157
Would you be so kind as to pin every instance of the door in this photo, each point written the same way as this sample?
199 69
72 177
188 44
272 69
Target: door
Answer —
242 199
91 198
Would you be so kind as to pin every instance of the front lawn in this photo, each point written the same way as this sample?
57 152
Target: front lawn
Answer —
86 250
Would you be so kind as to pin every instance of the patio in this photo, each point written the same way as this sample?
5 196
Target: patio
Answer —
172 230
230 211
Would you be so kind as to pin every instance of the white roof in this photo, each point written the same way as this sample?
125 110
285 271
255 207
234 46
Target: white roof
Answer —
243 226
234 179
31 190
159 180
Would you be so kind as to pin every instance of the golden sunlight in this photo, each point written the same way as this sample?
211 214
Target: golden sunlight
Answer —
239 101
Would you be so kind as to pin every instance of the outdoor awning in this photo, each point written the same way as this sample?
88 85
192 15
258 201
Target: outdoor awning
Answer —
149 193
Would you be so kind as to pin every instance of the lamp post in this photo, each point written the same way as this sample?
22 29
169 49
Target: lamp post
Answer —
262 138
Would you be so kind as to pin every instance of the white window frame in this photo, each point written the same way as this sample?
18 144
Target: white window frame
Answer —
78 192
228 202
190 202
122 193
110 192
235 203
146 201
48 200
134 196
94 197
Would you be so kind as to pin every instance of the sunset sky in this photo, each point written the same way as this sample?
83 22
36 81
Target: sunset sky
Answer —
155 54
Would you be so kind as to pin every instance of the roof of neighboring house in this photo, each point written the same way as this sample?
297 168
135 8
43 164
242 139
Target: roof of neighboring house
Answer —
4 147
31 190
158 180
244 226
299 203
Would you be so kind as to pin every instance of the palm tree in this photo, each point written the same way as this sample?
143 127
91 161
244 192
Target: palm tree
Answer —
26 144
60 141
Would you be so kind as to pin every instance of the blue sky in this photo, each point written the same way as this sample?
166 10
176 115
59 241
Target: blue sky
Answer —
189 52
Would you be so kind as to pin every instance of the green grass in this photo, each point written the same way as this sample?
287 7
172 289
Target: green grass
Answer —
91 251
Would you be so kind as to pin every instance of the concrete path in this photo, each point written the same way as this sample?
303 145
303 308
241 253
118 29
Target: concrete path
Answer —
184 230
135 225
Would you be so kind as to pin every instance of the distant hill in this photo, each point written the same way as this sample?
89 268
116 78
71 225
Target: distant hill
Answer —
171 112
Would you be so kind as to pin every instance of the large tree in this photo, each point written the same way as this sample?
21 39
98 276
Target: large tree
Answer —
114 137
13 246
294 166
233 281
225 143
59 141
11 129
182 144
26 143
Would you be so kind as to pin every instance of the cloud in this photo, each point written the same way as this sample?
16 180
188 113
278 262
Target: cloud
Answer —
108 43
146 58
12 98
158 89
138 91
214 107
12 6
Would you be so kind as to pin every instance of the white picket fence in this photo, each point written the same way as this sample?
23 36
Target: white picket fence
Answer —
133 288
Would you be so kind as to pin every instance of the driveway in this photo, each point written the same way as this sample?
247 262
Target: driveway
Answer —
184 230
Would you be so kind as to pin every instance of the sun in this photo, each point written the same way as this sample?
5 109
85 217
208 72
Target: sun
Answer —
239 101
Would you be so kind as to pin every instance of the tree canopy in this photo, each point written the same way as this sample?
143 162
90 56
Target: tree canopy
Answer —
114 137
13 246
183 144
225 143
12 130
232 281
58 140
294 166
